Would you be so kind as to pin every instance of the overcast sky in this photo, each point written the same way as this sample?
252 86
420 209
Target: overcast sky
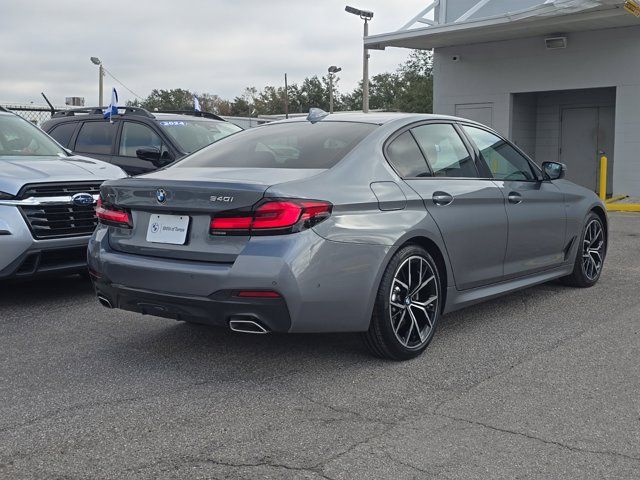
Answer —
213 46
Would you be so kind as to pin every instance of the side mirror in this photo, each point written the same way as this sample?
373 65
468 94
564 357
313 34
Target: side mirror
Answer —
554 170
151 154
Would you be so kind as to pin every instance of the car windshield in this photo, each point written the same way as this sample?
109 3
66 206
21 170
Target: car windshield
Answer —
283 145
18 137
193 135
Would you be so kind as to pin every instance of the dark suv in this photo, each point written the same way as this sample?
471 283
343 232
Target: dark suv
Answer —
136 140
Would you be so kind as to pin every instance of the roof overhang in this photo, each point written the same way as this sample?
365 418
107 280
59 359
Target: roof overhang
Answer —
533 22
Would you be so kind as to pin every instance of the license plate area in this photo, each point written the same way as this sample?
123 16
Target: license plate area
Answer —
171 229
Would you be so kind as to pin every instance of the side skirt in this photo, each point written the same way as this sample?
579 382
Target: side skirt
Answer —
460 299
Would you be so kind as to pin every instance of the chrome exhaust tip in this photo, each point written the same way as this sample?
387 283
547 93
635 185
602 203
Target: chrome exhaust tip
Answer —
247 326
104 301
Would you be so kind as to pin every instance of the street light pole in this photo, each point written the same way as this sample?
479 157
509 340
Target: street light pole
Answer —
100 89
332 71
365 15
96 61
365 70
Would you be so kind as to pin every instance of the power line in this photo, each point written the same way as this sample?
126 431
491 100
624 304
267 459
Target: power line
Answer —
114 77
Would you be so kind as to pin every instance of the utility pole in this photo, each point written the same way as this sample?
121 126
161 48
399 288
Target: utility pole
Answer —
286 97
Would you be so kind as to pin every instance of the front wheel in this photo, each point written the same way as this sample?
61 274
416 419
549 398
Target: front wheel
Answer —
590 256
407 307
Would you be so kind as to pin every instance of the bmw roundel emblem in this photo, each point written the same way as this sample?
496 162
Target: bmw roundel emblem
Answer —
161 195
82 199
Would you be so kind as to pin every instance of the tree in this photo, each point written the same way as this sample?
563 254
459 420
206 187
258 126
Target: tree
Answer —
408 89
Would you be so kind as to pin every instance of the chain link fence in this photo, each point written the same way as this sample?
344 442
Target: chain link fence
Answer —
35 114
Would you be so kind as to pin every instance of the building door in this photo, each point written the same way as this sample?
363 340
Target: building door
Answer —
585 131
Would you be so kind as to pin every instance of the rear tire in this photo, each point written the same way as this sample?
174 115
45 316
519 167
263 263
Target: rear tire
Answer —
590 255
407 307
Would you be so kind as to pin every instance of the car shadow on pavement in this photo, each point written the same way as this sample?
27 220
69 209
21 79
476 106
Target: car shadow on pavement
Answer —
43 290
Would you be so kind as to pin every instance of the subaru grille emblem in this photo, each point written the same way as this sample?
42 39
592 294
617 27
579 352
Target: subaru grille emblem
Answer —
161 195
82 199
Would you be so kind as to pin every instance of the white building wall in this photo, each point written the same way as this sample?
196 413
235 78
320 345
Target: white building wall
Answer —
492 72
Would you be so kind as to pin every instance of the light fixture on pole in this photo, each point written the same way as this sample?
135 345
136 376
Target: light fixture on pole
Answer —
96 61
332 71
365 15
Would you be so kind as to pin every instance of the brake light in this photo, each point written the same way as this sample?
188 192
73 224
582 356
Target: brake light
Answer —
111 216
278 216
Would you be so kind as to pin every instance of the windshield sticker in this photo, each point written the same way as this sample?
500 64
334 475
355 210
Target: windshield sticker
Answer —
176 123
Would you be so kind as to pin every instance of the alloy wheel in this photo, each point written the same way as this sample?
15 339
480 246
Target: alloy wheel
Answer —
593 249
413 302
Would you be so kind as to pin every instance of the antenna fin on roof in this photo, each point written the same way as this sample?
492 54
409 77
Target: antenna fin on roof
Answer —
316 114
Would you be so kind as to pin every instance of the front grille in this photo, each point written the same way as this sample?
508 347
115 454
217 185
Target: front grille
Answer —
59 189
55 221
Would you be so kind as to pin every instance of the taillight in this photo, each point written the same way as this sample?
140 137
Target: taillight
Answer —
111 216
272 217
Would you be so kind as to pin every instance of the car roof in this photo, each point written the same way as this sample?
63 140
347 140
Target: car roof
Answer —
177 116
379 118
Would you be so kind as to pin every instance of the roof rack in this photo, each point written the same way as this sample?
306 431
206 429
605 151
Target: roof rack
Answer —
195 113
2 109
99 111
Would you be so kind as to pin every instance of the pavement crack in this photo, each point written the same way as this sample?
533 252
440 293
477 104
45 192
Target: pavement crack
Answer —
265 462
542 440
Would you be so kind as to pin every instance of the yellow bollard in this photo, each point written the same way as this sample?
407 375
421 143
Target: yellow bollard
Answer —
603 177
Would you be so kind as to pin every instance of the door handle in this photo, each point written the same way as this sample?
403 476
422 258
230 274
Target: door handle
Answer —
515 198
442 198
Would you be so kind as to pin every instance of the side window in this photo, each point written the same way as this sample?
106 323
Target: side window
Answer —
63 133
96 137
405 156
445 151
504 161
135 136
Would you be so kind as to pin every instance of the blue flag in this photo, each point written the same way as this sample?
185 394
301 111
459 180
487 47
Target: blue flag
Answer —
112 109
196 104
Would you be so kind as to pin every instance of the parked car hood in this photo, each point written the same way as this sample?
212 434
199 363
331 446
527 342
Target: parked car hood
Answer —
17 171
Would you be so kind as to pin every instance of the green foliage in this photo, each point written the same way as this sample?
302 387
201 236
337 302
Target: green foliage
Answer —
408 89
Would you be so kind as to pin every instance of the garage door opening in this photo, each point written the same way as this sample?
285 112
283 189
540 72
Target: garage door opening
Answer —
574 127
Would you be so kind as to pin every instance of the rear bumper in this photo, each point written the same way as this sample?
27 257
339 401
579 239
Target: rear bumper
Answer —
325 286
216 310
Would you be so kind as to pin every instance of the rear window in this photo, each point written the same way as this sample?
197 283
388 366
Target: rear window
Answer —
283 145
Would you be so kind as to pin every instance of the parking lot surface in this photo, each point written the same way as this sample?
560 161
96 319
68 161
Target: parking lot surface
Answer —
543 383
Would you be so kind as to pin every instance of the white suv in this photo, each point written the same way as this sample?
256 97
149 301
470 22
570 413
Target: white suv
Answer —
47 198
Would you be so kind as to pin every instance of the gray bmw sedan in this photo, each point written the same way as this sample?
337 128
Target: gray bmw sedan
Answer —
372 223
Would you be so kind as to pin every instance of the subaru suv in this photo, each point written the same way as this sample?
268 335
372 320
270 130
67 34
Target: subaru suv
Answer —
47 201
137 140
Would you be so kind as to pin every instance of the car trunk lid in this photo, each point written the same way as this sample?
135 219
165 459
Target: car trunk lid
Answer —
175 193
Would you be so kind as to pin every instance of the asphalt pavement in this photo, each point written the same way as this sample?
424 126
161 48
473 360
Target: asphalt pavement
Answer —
543 383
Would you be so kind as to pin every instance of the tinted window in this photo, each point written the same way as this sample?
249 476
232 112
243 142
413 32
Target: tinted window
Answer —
135 136
19 137
405 156
445 151
63 133
283 145
504 161
96 137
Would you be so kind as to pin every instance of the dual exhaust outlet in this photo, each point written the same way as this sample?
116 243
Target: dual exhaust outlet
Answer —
240 325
